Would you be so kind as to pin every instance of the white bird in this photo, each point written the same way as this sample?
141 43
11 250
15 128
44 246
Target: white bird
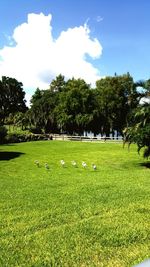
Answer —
74 163
94 167
84 164
46 166
62 162
37 163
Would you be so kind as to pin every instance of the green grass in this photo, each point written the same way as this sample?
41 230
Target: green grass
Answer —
73 216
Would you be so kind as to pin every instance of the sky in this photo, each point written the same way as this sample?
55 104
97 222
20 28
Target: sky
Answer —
89 39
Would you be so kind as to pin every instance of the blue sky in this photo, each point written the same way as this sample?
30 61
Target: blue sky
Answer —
120 27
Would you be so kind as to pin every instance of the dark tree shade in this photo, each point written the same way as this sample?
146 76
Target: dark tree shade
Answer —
11 97
116 96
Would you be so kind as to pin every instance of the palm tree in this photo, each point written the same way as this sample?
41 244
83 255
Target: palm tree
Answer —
139 130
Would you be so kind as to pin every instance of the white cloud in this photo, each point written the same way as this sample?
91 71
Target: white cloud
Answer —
36 58
99 19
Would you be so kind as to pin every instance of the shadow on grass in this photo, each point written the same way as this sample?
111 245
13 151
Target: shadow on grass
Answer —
7 155
145 164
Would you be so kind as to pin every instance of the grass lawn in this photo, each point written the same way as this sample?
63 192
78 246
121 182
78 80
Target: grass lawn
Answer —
73 216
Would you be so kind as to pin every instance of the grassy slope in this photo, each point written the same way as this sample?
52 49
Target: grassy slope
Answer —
71 216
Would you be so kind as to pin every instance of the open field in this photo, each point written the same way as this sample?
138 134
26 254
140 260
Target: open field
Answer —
67 216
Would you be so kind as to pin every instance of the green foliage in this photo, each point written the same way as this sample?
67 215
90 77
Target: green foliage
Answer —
139 131
74 109
66 106
15 138
73 106
36 96
11 97
116 96
73 216
25 137
3 133
35 130
57 85
41 114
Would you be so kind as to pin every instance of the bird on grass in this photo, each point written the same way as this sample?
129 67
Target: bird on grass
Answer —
62 162
84 165
94 167
37 163
46 166
74 163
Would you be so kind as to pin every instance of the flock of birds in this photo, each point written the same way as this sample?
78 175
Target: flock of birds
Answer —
63 164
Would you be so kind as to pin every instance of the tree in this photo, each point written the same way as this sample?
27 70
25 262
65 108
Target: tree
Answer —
41 114
138 130
12 97
74 111
57 84
96 125
116 96
36 96
43 103
20 119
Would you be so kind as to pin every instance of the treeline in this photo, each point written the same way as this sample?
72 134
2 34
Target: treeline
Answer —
72 106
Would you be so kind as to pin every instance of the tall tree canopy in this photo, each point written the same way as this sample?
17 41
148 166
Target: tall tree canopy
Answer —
57 85
138 130
74 111
36 96
43 104
41 114
116 96
12 97
74 107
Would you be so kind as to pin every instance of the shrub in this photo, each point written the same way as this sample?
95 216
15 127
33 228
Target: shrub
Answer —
12 138
35 130
3 133
17 138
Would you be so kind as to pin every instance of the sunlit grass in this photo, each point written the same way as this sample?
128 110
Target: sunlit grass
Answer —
73 216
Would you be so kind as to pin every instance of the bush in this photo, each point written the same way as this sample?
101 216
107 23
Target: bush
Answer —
35 130
3 133
17 138
13 138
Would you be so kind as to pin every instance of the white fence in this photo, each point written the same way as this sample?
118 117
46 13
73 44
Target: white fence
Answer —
86 138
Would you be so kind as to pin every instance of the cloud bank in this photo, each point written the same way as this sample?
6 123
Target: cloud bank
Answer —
36 57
